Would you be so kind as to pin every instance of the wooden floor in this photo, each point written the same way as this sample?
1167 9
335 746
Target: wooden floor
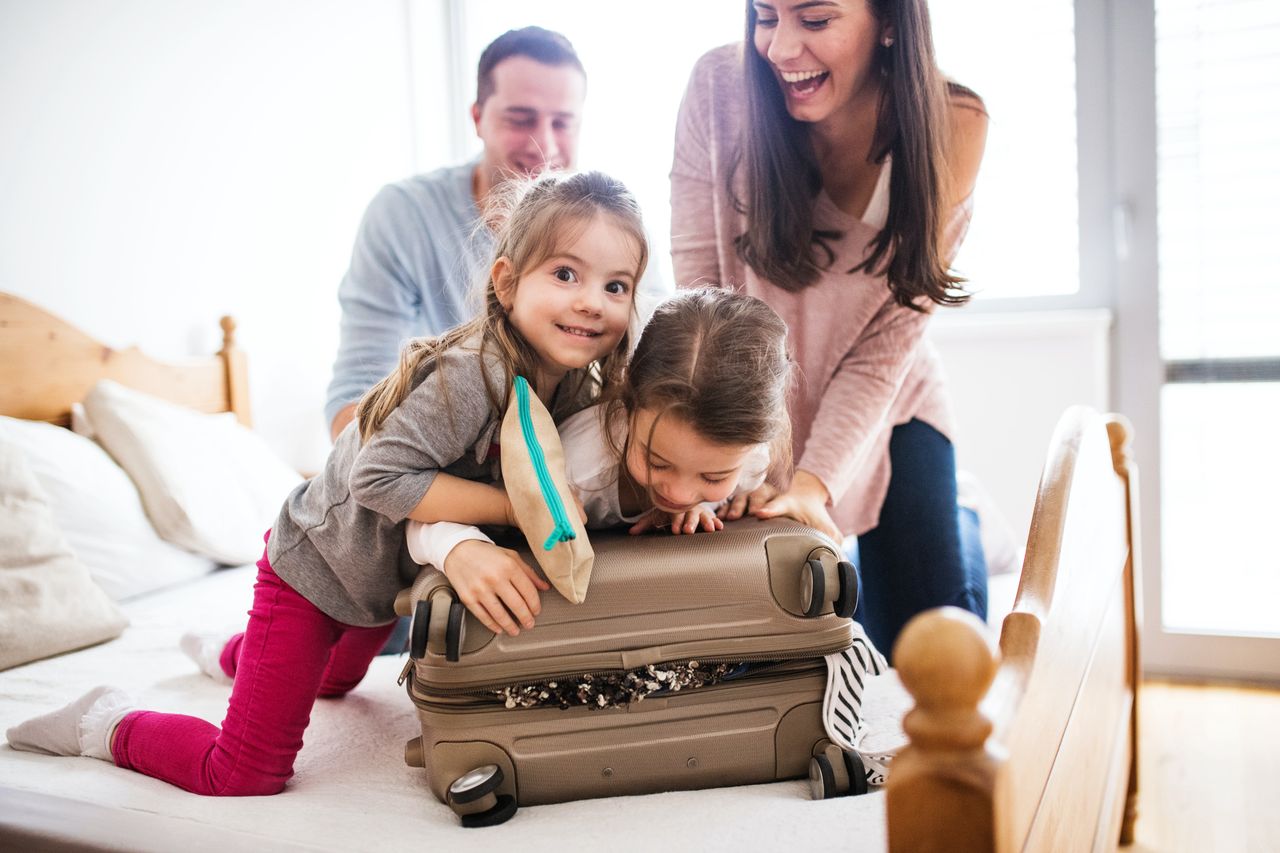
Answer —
1209 768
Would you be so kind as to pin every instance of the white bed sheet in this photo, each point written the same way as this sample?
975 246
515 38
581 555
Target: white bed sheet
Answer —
352 789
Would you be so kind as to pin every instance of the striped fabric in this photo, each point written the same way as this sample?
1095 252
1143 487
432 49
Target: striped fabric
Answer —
847 674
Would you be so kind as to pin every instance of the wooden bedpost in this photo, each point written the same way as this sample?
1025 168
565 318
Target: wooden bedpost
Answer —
1120 432
941 788
237 372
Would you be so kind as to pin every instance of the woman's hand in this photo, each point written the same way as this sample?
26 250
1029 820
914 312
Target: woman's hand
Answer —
805 501
495 584
681 522
747 504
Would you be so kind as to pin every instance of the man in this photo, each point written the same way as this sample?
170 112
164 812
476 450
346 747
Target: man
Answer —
421 248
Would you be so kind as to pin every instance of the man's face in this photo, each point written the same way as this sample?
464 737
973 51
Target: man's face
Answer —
530 121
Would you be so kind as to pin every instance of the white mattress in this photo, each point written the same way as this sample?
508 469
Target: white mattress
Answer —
352 789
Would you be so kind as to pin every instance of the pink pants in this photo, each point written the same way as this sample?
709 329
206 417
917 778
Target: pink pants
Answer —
289 654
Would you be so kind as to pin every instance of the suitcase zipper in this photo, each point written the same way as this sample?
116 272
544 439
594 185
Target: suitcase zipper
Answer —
484 692
482 700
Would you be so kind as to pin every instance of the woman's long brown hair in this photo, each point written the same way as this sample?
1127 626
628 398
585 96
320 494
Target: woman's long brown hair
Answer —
535 220
782 177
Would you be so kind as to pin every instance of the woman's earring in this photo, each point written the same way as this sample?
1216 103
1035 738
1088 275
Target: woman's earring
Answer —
887 41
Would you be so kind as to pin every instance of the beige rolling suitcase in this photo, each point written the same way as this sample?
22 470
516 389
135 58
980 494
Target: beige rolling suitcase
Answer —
694 662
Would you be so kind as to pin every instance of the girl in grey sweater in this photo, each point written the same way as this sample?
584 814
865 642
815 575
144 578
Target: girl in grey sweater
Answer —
558 307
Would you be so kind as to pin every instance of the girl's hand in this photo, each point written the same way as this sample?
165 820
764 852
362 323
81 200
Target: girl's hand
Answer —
495 584
747 503
682 522
690 520
806 502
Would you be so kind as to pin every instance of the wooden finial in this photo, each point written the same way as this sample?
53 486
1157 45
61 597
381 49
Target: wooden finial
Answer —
228 324
237 372
1120 432
947 659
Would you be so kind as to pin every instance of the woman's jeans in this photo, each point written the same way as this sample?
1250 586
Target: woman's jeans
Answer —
926 551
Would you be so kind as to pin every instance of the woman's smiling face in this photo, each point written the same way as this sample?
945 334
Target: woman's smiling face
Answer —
821 52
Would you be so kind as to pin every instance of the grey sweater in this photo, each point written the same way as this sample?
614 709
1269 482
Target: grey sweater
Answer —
339 539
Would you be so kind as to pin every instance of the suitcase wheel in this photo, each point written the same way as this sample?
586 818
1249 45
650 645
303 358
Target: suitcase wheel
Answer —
436 622
455 632
418 632
473 797
822 779
819 586
857 773
850 588
836 773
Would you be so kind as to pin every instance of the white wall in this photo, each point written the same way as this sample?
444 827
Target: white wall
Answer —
163 163
1011 376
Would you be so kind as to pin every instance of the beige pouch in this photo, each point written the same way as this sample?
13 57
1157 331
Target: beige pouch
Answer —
533 472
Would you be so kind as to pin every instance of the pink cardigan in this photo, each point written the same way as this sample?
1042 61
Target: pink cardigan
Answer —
864 365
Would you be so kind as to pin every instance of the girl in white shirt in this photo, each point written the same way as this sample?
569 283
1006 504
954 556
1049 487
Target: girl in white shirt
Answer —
698 423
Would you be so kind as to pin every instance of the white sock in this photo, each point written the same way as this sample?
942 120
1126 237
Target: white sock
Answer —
206 651
83 727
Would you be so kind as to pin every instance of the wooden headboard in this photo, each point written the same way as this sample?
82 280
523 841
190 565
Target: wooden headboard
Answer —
47 364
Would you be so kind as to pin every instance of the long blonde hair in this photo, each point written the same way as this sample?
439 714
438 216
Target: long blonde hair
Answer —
718 361
534 220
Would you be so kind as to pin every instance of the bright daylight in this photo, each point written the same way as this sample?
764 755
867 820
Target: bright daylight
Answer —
738 425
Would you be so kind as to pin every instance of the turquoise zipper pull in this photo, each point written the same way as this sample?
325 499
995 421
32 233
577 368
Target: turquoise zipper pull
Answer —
563 530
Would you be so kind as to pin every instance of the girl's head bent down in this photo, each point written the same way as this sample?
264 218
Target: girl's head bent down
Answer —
707 385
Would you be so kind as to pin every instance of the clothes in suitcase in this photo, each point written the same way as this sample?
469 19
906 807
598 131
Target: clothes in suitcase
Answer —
695 661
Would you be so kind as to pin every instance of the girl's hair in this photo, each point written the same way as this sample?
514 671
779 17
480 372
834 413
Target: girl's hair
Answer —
717 360
782 178
535 219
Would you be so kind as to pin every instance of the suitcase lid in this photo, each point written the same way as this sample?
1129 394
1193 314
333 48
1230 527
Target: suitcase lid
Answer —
736 594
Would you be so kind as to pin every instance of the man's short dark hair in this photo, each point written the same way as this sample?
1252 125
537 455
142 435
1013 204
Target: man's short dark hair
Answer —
540 45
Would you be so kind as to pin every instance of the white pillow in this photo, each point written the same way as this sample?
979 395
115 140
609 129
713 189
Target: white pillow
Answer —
208 484
48 602
97 508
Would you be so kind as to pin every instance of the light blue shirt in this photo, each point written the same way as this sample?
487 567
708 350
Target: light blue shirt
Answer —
417 259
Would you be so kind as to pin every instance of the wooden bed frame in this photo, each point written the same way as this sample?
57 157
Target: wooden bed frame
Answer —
1025 745
1034 746
46 365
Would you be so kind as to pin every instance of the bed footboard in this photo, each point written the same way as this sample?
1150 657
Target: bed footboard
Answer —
1032 745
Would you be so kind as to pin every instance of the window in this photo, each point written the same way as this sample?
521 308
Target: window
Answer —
1024 240
1218 131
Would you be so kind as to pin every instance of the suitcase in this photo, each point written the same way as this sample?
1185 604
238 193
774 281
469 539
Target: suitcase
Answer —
760 603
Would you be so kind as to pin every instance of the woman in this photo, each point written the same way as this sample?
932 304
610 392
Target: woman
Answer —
827 167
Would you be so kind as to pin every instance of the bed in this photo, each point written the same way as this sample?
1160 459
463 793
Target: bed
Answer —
1021 739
